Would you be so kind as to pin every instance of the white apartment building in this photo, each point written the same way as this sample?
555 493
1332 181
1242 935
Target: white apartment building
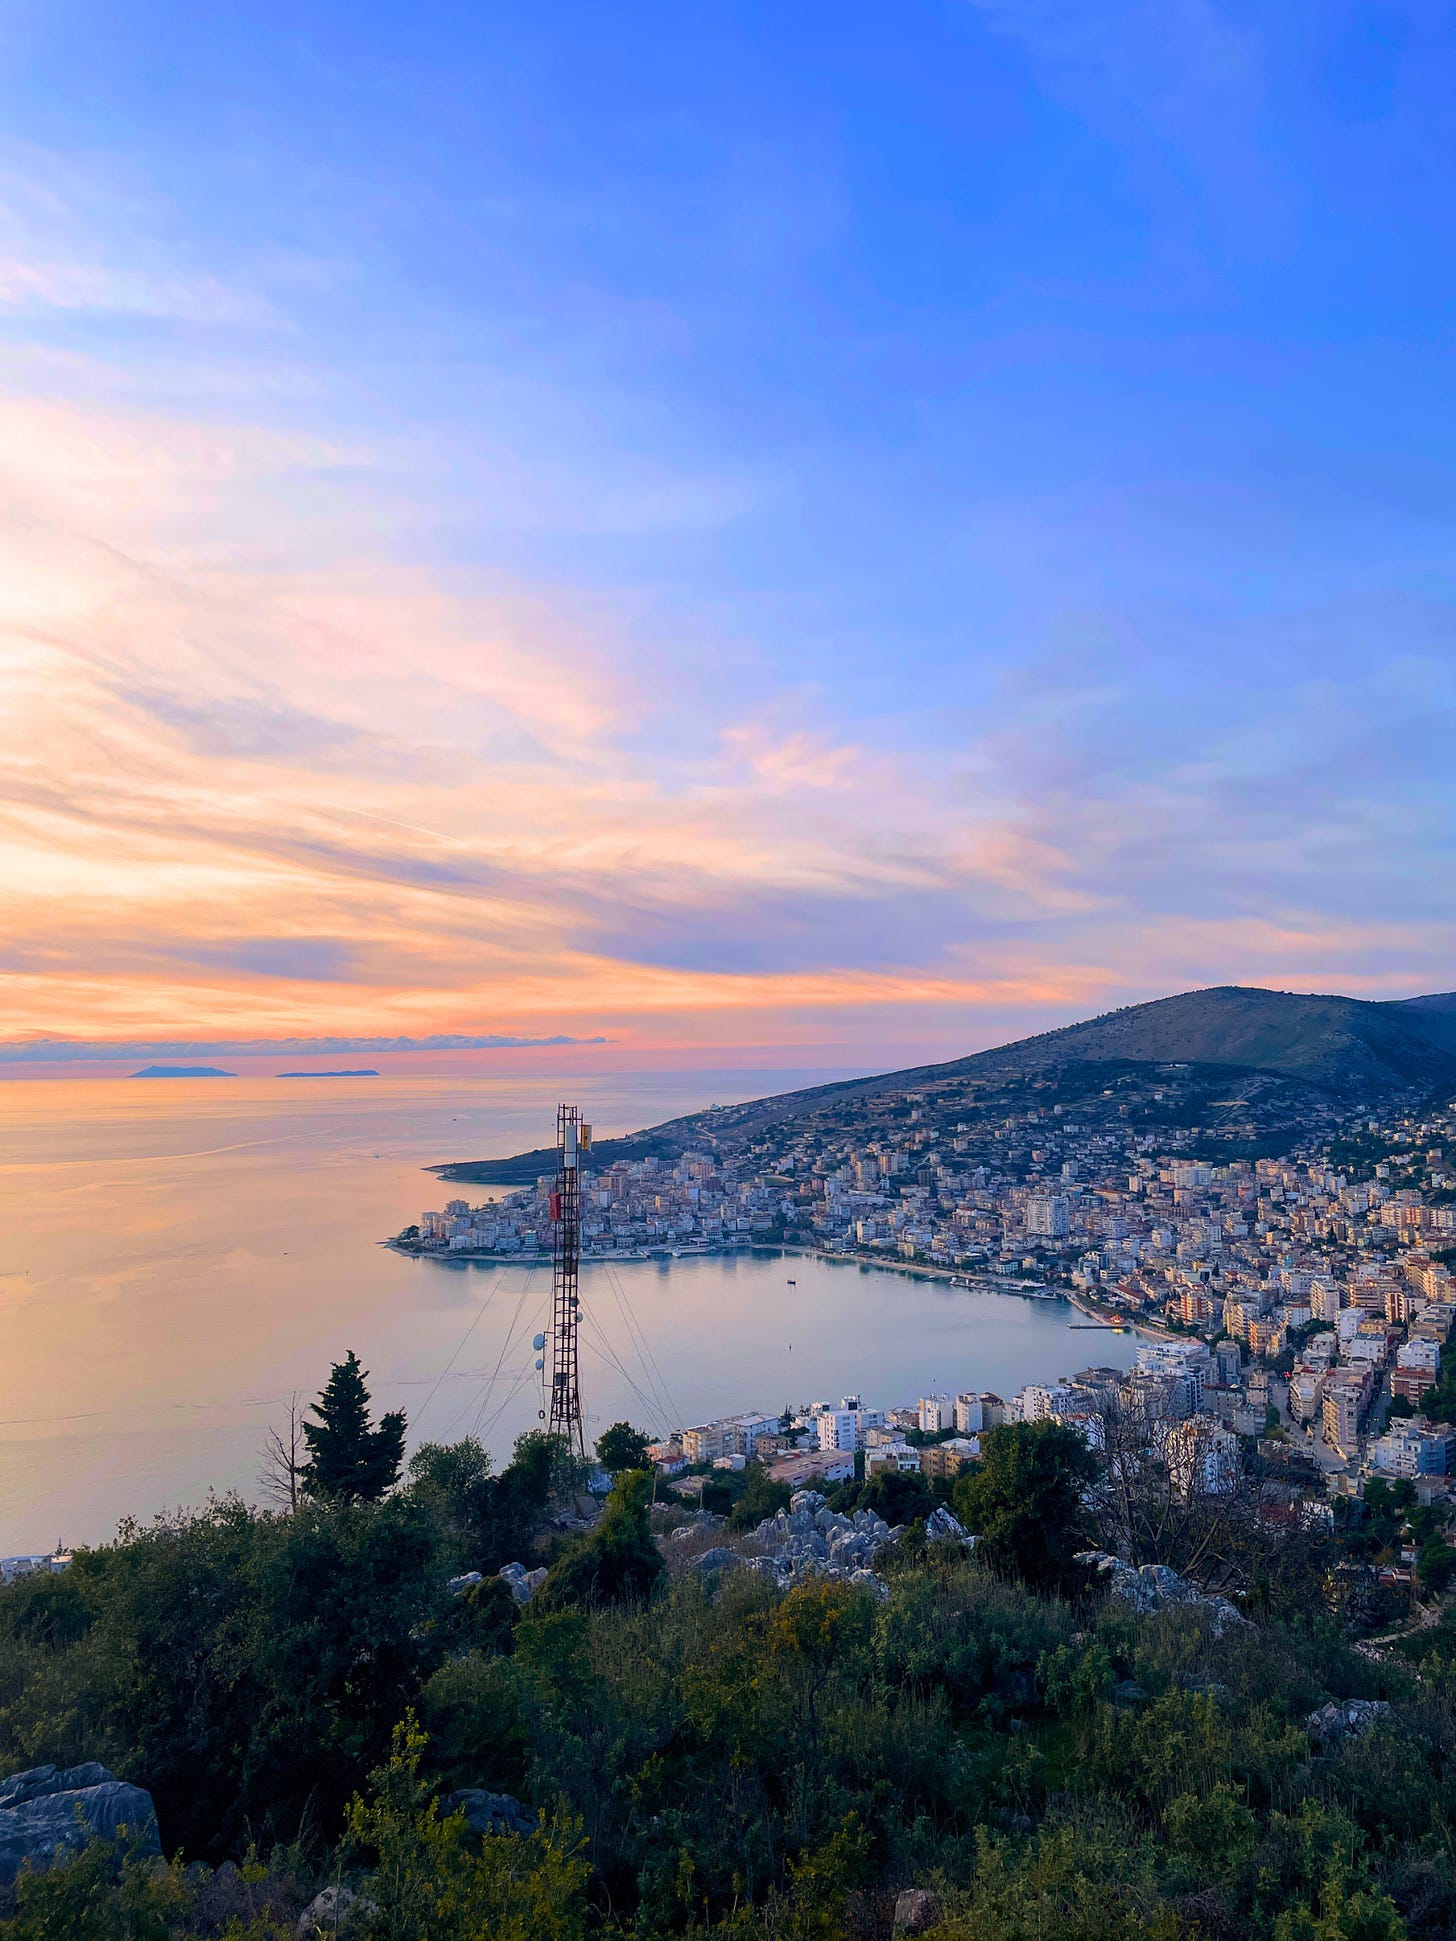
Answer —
1342 1404
1422 1354
936 1413
1305 1388
970 1415
1186 1364
1040 1401
1049 1216
1412 1448
846 1429
741 1432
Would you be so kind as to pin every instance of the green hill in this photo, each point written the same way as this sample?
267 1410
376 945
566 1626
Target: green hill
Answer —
1284 1053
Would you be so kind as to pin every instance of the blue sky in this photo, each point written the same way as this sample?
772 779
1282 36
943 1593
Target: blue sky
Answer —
873 526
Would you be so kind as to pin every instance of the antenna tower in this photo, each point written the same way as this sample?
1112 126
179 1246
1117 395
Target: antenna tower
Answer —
573 1138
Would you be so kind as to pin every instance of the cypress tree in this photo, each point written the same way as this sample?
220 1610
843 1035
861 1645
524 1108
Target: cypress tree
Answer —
348 1457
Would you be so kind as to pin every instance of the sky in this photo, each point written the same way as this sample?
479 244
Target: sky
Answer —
869 529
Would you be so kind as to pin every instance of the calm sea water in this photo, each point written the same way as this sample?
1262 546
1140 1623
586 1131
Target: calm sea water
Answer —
178 1257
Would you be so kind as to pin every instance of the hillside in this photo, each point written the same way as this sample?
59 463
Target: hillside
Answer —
1284 1056
994 1731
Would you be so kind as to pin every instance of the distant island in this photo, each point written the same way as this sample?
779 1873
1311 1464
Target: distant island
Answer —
183 1071
366 1072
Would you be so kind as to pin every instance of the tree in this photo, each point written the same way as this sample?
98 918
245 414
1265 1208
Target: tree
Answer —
348 1457
281 1475
1025 1501
898 1495
717 1496
249 1668
1175 1493
615 1563
622 1447
484 1520
761 1498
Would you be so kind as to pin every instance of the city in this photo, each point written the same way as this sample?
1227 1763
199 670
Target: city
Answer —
1295 1307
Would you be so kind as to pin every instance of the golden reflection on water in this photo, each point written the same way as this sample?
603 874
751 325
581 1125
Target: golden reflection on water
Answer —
177 1256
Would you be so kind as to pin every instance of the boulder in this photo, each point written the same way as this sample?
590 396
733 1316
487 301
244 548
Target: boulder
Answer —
40 1780
717 1559
332 1912
1346 1718
523 1583
50 1810
490 1812
916 1910
940 1524
1154 1587
866 1580
457 1585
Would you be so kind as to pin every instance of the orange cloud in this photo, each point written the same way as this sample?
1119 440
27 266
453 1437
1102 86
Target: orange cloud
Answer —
257 777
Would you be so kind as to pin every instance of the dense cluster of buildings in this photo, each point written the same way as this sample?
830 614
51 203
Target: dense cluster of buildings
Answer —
1175 1393
1303 1295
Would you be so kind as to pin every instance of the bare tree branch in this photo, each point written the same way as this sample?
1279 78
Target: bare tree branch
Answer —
283 1460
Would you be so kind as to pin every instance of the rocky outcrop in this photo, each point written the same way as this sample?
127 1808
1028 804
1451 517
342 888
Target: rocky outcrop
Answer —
490 1812
51 1810
1154 1587
942 1527
336 1910
916 1910
524 1583
718 1558
696 1524
810 1540
1348 1718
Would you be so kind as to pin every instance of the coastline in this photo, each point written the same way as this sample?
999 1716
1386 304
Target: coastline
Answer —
1115 1320
987 1283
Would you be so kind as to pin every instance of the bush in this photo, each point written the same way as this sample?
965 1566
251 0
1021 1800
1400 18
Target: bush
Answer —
617 1561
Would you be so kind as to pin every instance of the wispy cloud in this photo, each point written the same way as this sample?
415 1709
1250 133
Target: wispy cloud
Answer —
72 1051
394 637
32 286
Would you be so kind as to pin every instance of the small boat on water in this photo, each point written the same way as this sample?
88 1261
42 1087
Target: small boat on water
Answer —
793 1283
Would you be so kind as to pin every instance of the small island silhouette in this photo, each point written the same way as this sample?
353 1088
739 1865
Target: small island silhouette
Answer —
183 1071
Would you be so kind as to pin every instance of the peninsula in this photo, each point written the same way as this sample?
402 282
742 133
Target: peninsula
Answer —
1270 1177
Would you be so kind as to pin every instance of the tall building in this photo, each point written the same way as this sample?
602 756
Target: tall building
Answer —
1417 1368
1048 1215
1203 1460
1040 1401
703 1444
845 1428
1342 1405
935 1413
970 1415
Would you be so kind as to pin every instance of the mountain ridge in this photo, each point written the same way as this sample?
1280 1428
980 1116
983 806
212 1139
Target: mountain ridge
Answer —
1336 1048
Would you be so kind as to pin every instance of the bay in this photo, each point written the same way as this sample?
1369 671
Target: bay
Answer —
179 1257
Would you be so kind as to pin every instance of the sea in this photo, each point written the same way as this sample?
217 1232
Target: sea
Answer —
179 1258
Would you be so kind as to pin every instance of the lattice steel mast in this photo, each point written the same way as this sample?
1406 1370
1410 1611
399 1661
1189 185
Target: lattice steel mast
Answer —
573 1138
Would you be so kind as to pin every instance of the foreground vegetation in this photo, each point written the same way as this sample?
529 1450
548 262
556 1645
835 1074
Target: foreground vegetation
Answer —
300 1692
